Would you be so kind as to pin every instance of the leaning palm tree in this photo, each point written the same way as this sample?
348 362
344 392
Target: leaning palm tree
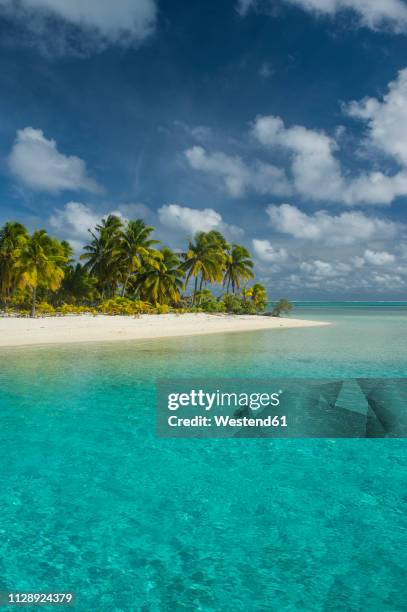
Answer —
40 261
161 283
102 254
204 260
238 267
12 237
136 249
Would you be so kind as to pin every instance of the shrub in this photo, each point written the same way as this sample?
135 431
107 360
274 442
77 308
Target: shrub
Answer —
232 303
68 309
259 297
118 306
214 306
283 306
43 308
21 299
162 309
125 306
248 308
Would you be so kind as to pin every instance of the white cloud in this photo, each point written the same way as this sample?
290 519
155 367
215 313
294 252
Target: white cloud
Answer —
236 177
267 253
192 220
389 281
378 258
386 118
317 173
38 164
374 14
344 229
244 6
98 22
320 268
314 168
75 219
342 276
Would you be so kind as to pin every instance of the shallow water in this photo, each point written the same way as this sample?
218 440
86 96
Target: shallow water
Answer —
92 502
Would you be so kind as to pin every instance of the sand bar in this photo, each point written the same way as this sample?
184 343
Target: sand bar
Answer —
15 331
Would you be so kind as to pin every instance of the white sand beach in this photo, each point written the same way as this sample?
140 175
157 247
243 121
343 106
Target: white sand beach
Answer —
16 331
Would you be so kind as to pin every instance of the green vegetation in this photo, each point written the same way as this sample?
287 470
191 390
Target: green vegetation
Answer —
123 270
283 306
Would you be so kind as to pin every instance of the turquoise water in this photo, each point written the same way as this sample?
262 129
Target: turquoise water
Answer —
92 502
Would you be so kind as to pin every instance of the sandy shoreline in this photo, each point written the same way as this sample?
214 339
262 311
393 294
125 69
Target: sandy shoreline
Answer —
87 328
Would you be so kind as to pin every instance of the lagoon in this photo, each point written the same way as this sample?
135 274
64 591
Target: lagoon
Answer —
92 502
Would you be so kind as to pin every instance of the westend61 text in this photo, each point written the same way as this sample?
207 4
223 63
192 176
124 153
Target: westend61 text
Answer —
226 421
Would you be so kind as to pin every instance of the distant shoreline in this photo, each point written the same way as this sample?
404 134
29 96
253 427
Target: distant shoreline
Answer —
18 331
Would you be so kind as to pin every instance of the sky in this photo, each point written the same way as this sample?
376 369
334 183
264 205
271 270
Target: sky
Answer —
281 123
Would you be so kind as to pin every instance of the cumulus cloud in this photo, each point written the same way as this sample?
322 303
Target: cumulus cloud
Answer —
317 173
378 258
89 25
235 176
386 118
314 169
344 229
36 162
324 269
192 220
267 253
374 14
75 219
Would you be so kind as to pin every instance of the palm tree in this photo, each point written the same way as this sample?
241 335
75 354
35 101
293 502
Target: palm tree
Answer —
238 267
78 286
40 261
204 259
102 254
136 249
12 237
161 282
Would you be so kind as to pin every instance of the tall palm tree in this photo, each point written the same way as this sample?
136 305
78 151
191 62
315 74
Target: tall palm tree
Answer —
12 237
40 261
136 249
238 267
161 283
102 254
204 259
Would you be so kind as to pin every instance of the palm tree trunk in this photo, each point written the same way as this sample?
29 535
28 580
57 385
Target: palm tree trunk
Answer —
200 288
125 284
34 299
195 290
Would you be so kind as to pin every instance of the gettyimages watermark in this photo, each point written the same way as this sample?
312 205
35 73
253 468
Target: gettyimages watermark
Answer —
282 408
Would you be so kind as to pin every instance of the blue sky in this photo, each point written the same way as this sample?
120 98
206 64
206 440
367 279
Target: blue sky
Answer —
283 123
